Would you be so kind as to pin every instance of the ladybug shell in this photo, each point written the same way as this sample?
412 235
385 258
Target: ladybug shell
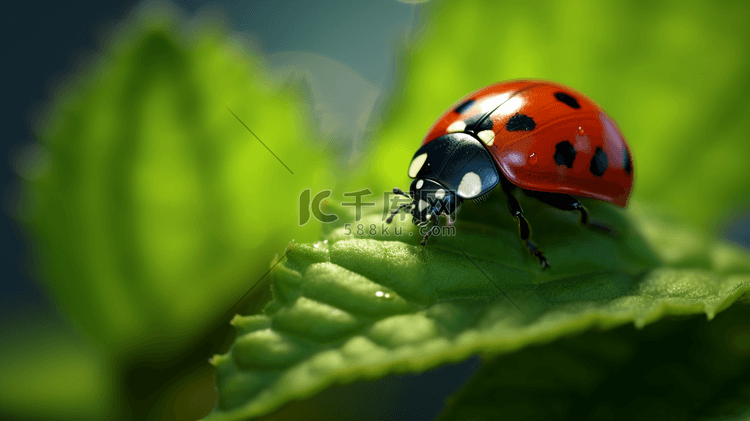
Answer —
545 137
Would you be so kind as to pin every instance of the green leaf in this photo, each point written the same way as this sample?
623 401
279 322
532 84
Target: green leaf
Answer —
357 307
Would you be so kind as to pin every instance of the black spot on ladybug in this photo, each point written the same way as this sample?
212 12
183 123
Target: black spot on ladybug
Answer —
599 162
471 123
567 100
464 106
520 122
565 154
626 164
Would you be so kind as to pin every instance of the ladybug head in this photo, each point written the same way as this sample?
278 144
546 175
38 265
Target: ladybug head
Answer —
430 199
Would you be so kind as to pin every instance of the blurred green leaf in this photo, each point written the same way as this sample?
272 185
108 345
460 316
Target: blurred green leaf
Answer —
157 208
674 78
157 205
359 308
47 373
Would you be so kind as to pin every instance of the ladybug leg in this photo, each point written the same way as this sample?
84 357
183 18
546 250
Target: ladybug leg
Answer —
524 230
569 203
432 228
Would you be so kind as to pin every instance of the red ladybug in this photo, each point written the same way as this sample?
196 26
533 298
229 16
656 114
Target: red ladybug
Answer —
551 141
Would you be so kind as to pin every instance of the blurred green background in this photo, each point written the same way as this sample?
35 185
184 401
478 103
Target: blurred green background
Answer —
143 210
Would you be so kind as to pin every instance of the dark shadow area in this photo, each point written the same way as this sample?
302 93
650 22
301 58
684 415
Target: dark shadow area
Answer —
417 396
675 369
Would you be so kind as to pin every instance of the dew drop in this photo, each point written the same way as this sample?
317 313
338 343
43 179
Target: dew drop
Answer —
387 295
533 158
379 294
580 131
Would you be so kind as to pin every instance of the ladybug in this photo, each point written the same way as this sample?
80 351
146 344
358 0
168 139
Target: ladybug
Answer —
549 140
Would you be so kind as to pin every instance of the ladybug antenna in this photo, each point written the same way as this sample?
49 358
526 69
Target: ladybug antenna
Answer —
397 190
